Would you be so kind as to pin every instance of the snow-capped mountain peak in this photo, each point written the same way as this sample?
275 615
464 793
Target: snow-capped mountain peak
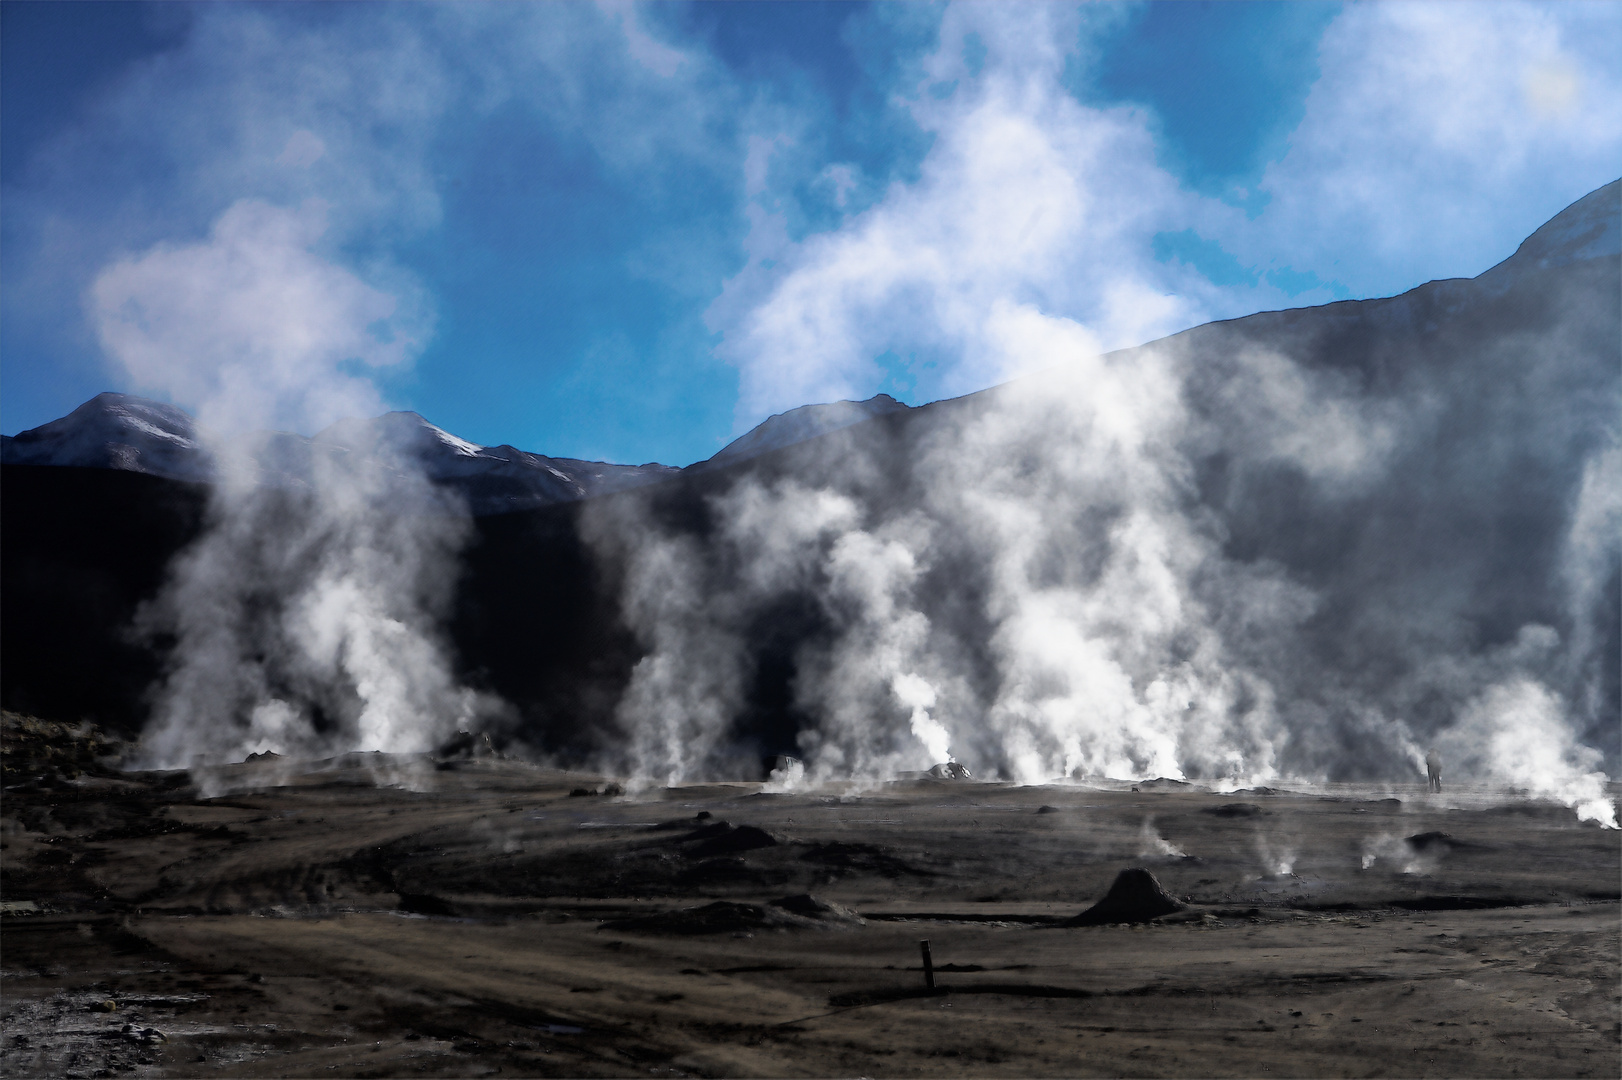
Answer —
133 434
117 431
399 432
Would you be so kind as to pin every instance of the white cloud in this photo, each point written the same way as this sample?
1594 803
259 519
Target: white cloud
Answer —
647 50
1023 242
355 108
1516 732
1437 137
302 150
252 327
304 621
646 107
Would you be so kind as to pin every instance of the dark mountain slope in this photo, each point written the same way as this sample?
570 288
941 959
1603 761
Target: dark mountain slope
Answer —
80 550
1481 407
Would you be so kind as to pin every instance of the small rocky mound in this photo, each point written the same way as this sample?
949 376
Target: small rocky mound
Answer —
49 753
809 907
607 790
681 823
1234 809
950 770
1437 843
721 838
783 767
466 745
1135 897
721 917
1161 783
856 858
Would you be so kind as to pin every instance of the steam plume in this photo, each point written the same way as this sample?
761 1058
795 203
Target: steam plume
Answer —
1303 545
303 619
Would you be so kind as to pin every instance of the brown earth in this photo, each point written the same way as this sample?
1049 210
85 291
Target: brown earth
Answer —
377 916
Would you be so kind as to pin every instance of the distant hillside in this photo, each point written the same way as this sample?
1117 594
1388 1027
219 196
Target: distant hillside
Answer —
1416 500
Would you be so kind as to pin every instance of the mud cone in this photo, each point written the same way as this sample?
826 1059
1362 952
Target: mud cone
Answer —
1135 897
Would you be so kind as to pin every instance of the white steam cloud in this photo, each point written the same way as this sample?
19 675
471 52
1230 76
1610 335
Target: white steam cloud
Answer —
1037 583
252 326
1422 114
1062 503
303 619
1056 586
1028 202
1517 731
1151 844
1104 569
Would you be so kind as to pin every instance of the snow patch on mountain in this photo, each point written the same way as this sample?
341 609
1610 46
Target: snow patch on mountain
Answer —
116 431
132 434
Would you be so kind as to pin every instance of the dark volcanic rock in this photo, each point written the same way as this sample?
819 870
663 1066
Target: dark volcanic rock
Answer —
1427 841
1438 843
721 917
609 790
728 872
809 907
465 744
855 858
679 823
723 839
1135 897
425 904
1236 809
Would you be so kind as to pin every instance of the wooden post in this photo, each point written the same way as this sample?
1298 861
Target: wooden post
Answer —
929 965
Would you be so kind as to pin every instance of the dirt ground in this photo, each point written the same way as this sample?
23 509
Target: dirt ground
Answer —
377 916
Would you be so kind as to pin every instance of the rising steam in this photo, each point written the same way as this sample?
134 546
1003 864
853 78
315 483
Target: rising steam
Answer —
1238 555
303 619
1235 555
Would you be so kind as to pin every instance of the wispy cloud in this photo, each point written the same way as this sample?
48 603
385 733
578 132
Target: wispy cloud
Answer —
1436 137
1025 238
251 327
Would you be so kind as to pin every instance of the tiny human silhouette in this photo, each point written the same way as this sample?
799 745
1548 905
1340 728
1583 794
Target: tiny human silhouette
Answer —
1433 770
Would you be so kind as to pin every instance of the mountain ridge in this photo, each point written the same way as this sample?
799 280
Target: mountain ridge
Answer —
1444 556
130 433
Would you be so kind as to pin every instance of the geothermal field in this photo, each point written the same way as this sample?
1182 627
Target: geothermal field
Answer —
418 915
1080 725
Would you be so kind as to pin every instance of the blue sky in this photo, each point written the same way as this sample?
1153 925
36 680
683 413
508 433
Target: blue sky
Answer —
630 232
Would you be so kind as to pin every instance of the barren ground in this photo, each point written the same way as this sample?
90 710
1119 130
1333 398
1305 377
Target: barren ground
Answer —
314 920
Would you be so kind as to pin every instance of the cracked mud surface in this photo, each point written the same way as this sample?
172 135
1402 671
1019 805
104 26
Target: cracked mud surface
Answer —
305 921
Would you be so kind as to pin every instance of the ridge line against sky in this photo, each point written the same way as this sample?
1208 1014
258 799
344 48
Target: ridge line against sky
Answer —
629 233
